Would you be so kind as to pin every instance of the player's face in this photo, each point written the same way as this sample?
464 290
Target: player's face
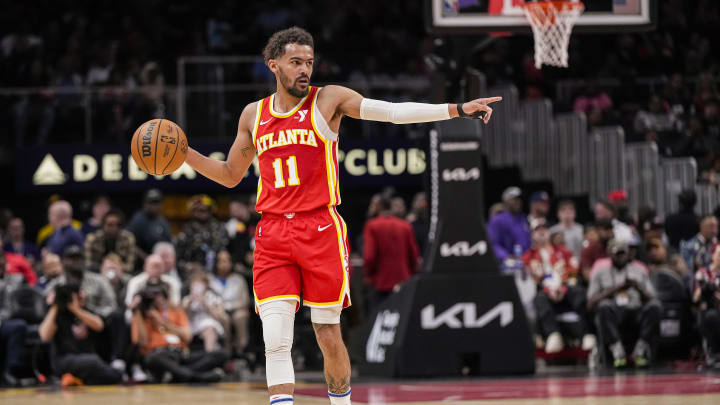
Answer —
294 69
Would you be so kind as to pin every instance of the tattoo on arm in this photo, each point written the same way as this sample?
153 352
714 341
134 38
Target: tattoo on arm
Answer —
245 151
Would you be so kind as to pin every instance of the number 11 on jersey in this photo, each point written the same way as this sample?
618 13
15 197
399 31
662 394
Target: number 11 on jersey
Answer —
293 179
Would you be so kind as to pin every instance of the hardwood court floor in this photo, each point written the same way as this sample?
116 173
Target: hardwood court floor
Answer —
695 389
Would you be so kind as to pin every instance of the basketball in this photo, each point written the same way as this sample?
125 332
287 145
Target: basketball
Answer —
159 147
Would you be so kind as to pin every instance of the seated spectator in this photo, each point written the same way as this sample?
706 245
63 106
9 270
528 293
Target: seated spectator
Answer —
240 232
154 270
597 249
16 242
508 231
592 99
572 231
539 206
233 289
12 331
166 251
607 210
100 207
203 236
162 333
555 272
46 231
683 224
650 229
99 296
17 264
711 175
696 251
623 300
52 268
205 310
74 330
621 206
706 296
111 238
114 272
149 225
657 118
64 234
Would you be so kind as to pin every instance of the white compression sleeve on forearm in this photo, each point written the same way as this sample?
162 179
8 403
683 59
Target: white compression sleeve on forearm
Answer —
402 113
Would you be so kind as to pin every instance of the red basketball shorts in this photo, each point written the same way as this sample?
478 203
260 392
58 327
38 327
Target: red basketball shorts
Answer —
302 254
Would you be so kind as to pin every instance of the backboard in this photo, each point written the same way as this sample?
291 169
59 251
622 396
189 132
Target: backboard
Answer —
478 16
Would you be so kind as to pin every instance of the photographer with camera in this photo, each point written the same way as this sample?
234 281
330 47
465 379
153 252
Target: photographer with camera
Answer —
162 334
706 296
73 331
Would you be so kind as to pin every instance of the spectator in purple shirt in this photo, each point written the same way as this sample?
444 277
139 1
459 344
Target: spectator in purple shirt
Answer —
508 231
60 217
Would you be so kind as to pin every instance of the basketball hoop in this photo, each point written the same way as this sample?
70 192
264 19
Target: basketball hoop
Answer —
552 23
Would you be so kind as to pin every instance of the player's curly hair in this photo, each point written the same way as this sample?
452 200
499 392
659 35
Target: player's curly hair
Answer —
275 47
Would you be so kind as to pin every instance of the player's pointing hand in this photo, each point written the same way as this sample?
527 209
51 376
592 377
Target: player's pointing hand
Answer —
478 108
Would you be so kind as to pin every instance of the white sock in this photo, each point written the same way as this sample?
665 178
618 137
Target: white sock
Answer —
340 399
281 399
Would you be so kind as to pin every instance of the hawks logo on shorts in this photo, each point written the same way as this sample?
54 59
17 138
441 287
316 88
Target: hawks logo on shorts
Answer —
301 249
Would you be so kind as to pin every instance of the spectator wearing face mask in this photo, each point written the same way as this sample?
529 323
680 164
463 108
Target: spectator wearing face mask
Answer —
113 270
208 320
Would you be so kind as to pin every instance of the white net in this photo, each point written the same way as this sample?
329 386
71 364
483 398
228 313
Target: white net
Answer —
552 23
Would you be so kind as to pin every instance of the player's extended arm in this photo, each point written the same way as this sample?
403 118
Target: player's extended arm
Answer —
354 105
231 171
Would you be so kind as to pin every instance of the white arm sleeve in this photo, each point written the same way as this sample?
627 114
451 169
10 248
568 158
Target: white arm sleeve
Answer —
402 113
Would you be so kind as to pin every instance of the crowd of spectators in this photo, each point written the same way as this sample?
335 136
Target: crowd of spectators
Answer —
605 287
664 90
117 302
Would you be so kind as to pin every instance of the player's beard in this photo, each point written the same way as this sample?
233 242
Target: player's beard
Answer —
289 85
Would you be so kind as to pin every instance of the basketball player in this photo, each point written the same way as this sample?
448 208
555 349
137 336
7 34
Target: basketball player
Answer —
301 241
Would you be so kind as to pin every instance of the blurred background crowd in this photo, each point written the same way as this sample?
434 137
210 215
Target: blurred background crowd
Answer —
101 289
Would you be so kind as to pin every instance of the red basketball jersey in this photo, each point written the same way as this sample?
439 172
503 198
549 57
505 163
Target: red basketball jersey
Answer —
298 164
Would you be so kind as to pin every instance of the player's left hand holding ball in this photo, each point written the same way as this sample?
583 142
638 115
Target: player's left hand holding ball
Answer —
477 109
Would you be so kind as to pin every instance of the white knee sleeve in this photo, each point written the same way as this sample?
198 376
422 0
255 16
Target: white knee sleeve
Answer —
325 315
278 318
